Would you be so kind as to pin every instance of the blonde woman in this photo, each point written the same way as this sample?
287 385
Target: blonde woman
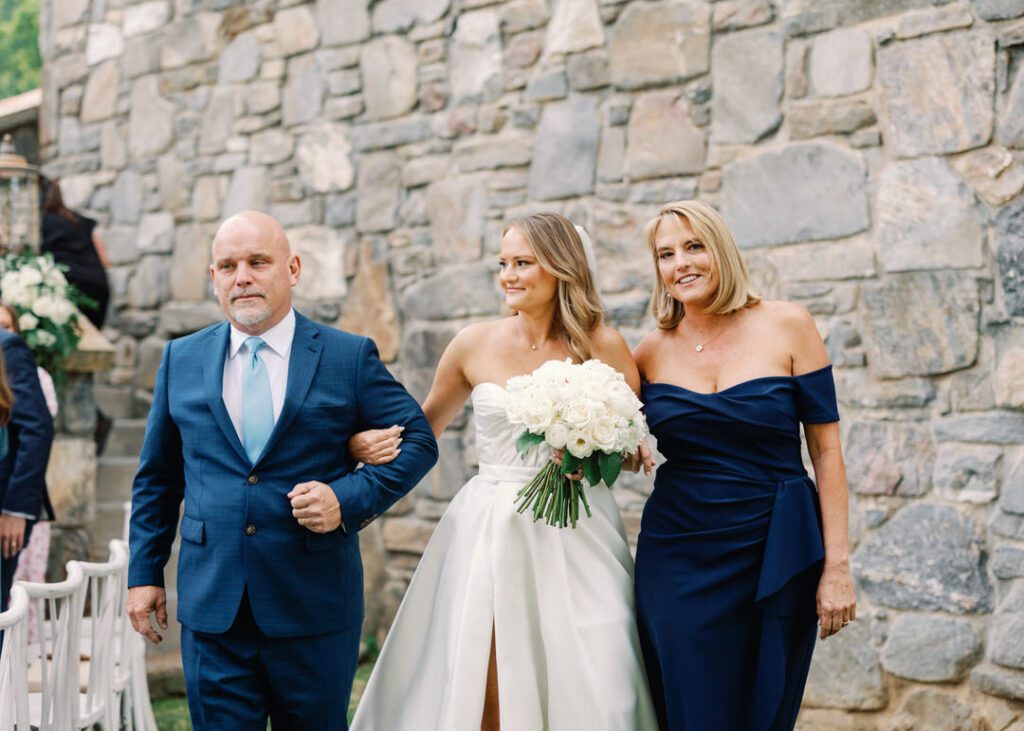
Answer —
510 623
739 556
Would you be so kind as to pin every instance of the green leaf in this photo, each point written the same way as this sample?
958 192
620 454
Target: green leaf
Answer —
611 465
527 441
592 469
569 464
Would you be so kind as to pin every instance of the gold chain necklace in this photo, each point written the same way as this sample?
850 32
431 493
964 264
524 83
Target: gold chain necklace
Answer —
700 346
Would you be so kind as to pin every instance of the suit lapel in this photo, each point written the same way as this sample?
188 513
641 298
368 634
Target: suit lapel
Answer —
302 364
213 383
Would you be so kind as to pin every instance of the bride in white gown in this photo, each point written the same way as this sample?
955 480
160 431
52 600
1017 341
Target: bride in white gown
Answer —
510 623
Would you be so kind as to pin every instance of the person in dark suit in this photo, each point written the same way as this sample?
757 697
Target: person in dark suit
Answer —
249 426
23 495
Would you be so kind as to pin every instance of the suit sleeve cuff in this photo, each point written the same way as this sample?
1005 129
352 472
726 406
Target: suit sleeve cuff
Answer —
16 514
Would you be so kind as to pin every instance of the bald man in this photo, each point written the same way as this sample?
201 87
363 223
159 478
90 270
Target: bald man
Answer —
249 427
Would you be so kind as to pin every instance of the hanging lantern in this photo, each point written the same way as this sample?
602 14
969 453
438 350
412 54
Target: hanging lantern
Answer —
19 201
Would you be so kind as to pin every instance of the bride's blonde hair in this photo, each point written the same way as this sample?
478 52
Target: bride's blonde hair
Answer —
559 251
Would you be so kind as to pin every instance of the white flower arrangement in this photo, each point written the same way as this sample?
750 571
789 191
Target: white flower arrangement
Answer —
46 306
588 410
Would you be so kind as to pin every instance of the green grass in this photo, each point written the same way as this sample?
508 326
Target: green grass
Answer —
172 713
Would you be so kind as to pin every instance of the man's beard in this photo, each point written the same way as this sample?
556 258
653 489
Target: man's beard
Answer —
249 315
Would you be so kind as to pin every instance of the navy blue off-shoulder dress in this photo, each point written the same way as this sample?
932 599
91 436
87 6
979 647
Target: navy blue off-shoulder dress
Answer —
730 553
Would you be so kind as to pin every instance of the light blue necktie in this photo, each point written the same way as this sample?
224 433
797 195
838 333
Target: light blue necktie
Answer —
257 405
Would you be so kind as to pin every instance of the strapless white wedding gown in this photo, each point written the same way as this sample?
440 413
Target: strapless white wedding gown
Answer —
560 602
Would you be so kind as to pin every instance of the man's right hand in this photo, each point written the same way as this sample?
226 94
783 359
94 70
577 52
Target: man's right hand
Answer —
142 602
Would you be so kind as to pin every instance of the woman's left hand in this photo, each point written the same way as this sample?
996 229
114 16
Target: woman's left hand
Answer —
837 600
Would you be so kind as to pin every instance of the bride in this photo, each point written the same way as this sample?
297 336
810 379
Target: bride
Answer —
510 623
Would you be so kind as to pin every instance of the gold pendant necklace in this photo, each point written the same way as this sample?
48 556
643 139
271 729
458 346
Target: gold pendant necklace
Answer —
699 347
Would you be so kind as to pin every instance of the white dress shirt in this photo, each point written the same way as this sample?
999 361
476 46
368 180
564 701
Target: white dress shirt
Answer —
275 355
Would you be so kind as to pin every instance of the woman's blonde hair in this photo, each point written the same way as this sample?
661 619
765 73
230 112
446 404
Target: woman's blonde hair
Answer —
559 251
734 289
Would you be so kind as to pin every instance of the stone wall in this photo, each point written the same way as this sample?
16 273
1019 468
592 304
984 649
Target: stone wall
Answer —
868 154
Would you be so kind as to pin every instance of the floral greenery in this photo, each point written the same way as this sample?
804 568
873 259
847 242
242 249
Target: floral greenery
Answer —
46 304
19 46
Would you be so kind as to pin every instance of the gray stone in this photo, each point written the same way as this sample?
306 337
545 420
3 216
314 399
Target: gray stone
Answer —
151 121
814 118
1009 245
549 84
150 285
145 17
663 140
845 672
156 233
889 458
126 197
930 649
391 16
464 291
103 42
295 30
935 711
996 176
304 92
1006 639
379 182
388 68
936 93
928 218
345 81
343 21
121 244
926 557
69 12
999 9
746 71
565 151
967 472
189 41
270 146
323 159
840 62
588 70
382 135
999 682
804 192
933 20
1012 498
491 152
323 254
207 195
997 427
659 42
190 264
240 61
262 97
1008 562
736 14
800 17
171 183
113 149
457 207
475 58
520 15
1008 526
247 191
182 318
100 99
611 161
218 119
1010 130
575 26
340 210
920 324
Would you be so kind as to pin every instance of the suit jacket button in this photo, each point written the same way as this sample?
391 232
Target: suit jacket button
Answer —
250 529
253 479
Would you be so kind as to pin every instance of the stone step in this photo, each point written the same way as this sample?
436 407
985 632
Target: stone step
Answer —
114 477
125 438
115 401
107 523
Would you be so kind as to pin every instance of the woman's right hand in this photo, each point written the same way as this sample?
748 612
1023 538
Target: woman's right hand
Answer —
376 446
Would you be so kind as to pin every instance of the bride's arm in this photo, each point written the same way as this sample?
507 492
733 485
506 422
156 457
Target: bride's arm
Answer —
448 392
610 347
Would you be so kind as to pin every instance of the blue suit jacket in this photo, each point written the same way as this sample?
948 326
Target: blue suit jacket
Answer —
237 530
30 435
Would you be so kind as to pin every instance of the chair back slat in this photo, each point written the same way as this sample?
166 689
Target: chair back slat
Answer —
14 663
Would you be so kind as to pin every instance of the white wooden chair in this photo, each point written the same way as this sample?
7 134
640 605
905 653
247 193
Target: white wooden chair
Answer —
131 663
59 612
14 663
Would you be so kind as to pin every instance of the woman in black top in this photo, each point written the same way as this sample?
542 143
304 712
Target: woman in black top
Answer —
71 239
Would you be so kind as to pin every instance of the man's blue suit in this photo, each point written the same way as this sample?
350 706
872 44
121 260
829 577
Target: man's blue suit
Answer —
238 533
30 436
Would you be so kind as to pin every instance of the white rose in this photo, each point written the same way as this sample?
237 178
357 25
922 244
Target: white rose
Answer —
55 278
604 434
579 413
579 445
557 435
31 277
622 401
62 311
45 306
538 414
46 339
28 321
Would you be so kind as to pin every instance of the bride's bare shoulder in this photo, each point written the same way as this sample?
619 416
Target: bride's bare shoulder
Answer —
479 334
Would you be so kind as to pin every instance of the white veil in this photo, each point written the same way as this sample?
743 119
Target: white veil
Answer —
588 250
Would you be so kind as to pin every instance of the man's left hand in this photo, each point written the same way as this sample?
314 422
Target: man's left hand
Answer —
315 506
12 535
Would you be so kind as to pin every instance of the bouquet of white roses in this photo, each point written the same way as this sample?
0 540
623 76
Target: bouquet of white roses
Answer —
588 410
46 306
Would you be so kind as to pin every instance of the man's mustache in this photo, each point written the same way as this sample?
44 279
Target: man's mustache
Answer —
237 293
